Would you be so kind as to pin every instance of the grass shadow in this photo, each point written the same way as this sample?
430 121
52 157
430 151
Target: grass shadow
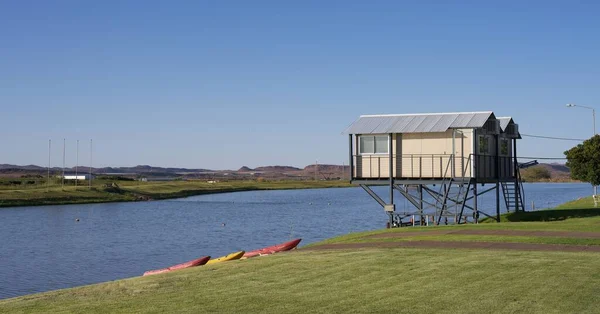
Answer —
552 214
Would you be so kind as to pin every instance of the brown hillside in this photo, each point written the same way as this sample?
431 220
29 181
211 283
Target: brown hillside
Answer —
279 169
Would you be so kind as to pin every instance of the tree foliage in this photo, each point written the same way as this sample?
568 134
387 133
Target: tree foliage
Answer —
584 161
536 173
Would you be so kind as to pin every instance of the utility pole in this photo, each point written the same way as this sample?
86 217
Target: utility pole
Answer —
90 178
48 178
594 117
77 164
63 174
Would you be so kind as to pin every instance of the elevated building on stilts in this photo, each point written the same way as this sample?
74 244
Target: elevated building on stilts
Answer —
439 162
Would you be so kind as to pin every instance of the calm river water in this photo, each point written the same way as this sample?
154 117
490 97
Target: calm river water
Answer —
45 248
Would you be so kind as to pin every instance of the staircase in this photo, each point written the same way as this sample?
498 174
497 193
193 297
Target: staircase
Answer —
464 188
454 193
513 191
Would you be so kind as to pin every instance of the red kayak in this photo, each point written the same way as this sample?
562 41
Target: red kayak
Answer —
273 249
192 263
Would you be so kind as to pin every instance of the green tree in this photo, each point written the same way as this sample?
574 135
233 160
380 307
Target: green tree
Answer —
536 173
584 161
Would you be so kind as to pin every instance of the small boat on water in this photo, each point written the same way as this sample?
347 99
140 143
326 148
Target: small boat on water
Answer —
230 257
273 249
193 263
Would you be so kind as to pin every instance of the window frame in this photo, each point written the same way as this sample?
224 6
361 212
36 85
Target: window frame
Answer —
507 141
387 146
486 139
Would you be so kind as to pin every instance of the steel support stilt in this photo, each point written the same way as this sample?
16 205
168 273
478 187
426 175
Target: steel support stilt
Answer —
420 190
497 177
475 210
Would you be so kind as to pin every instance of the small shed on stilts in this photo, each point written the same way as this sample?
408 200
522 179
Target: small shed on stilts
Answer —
439 162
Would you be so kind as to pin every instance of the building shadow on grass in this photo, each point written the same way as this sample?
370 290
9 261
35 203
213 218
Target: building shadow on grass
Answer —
552 214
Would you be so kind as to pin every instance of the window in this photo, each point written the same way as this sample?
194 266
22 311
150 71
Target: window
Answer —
504 147
381 144
483 144
367 144
373 144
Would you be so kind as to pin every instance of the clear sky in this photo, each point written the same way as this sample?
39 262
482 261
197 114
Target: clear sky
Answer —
221 84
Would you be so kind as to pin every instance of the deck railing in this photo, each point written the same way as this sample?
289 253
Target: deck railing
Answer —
423 166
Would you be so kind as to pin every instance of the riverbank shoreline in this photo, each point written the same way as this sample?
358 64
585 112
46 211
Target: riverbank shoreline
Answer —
135 192
502 258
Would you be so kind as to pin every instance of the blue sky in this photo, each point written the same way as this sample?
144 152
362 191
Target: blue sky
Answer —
221 84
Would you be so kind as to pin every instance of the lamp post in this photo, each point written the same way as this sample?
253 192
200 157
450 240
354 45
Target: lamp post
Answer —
593 117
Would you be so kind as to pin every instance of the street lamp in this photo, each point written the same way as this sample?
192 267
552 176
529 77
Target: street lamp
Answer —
593 113
593 117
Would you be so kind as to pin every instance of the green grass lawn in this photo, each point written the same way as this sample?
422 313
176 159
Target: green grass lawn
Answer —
580 208
57 195
368 281
166 189
579 215
135 190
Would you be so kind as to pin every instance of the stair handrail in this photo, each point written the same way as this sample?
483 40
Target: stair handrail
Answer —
446 172
444 180
468 164
521 189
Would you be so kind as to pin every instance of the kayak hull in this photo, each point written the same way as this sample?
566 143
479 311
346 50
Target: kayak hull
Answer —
230 257
193 263
286 246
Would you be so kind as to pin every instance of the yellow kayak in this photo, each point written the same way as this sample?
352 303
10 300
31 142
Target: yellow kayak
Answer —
230 257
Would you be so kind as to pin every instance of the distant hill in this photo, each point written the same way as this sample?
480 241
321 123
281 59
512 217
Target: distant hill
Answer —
146 169
557 167
141 169
327 168
547 173
326 172
557 172
277 169
28 167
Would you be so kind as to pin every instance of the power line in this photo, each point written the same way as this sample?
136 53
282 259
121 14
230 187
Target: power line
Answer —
554 138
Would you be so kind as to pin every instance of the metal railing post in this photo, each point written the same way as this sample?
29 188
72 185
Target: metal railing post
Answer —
391 170
432 167
370 166
412 166
351 159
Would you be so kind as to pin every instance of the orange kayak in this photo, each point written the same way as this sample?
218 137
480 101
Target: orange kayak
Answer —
273 249
193 263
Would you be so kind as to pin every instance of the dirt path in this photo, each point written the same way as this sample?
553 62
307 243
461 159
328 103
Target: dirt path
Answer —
525 233
459 245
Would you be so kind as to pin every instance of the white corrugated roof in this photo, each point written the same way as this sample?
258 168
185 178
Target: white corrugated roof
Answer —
418 123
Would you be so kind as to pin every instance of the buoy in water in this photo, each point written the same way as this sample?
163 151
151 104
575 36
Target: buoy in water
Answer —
76 219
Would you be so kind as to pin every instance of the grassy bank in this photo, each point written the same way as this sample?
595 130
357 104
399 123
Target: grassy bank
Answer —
579 216
391 281
580 208
124 191
370 279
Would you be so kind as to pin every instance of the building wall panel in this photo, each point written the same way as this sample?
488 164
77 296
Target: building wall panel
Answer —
429 155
